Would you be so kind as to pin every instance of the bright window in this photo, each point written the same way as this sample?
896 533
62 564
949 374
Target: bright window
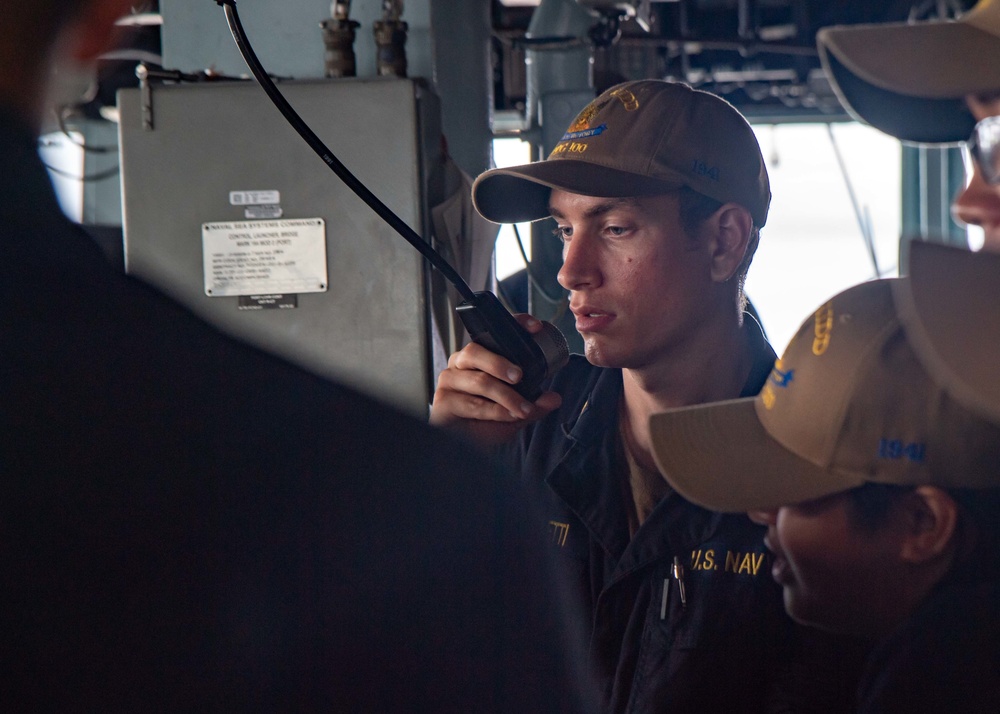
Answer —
63 155
511 152
812 246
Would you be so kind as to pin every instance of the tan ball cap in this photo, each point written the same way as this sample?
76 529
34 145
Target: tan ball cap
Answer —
910 79
951 310
638 139
848 403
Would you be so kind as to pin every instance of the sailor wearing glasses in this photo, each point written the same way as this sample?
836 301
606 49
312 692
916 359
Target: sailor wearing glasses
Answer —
938 82
934 82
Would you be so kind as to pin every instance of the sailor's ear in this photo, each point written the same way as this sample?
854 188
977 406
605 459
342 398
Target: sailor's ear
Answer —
930 520
729 235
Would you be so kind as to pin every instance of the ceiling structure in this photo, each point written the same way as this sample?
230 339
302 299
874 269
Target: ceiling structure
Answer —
758 54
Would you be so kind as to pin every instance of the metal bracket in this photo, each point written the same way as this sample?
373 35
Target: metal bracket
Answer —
146 90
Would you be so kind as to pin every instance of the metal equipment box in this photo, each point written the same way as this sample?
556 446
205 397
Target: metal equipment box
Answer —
229 211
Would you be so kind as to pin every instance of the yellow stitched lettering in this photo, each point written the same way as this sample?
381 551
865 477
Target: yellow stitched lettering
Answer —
572 147
767 396
822 329
710 560
559 532
739 563
627 99
703 560
732 561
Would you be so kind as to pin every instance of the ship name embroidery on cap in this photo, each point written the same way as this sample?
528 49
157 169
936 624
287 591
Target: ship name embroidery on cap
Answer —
627 99
700 168
584 134
823 329
780 378
581 129
898 450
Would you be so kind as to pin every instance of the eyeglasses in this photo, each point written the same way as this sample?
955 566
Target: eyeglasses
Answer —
984 148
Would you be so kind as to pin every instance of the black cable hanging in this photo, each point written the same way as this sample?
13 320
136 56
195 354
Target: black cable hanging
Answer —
408 234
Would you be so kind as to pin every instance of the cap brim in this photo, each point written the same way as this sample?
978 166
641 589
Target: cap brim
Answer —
521 193
720 456
910 80
950 309
933 60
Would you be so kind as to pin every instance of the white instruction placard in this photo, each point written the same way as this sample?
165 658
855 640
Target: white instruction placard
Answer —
258 257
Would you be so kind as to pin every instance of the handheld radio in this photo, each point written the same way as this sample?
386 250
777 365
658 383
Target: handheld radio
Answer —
489 323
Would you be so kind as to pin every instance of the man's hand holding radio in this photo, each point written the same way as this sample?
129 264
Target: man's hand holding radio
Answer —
475 394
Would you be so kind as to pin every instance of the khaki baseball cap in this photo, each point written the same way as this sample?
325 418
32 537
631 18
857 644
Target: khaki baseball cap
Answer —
910 79
848 403
950 307
638 139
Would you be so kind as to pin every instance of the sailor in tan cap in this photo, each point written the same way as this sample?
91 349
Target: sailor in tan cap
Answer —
658 191
939 82
881 495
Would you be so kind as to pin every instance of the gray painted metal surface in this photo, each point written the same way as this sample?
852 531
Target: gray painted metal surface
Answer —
463 77
371 326
286 36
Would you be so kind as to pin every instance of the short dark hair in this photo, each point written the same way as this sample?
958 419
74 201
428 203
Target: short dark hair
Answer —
695 209
870 504
978 523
